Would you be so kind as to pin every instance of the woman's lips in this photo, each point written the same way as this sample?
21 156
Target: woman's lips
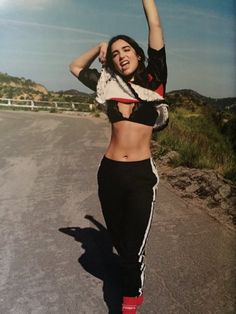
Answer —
124 65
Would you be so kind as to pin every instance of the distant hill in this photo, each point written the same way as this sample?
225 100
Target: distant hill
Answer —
72 92
75 96
188 97
22 88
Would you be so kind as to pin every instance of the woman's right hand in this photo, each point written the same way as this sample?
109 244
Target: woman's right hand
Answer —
102 52
86 59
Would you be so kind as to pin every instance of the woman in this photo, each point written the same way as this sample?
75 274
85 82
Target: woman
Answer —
127 177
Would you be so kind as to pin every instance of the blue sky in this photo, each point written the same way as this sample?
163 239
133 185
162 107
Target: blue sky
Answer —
39 38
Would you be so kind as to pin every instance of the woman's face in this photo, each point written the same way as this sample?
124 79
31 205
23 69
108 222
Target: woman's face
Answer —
125 58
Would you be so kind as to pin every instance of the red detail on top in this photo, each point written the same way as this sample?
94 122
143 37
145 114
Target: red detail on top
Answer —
160 90
124 100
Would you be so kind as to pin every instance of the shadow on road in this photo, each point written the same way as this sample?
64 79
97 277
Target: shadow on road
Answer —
99 260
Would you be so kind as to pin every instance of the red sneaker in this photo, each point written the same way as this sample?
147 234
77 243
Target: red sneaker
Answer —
129 309
130 304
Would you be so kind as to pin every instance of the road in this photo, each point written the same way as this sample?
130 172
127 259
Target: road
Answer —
55 254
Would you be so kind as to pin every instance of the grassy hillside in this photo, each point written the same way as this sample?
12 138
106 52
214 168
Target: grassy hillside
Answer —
21 88
204 136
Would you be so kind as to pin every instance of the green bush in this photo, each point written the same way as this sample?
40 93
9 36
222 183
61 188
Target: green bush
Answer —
231 174
199 141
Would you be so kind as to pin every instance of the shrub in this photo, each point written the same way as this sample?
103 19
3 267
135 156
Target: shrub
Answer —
199 141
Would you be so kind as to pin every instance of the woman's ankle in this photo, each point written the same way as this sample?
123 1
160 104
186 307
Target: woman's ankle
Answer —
138 300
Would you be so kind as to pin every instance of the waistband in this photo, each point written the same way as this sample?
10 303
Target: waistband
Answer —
126 163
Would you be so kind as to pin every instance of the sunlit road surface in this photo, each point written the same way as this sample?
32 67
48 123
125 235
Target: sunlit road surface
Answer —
55 254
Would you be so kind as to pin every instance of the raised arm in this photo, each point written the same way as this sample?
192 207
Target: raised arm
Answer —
155 38
87 58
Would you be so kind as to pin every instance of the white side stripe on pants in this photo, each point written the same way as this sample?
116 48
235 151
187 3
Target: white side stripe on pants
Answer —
141 255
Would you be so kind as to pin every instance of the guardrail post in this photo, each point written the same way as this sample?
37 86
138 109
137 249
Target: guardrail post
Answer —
32 104
9 102
56 106
73 106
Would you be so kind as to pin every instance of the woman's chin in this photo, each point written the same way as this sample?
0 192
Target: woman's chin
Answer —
127 75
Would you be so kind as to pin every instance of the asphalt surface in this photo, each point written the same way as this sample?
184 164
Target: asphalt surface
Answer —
55 253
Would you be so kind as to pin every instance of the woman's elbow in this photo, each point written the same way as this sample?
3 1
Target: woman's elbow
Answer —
74 69
155 26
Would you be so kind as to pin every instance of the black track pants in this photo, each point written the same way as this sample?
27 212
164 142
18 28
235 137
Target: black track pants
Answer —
127 194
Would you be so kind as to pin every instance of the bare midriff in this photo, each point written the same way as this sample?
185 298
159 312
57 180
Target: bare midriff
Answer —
130 141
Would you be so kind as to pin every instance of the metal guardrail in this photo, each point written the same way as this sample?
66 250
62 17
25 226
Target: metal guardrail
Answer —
46 105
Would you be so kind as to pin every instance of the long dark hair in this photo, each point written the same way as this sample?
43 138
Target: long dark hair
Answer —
140 75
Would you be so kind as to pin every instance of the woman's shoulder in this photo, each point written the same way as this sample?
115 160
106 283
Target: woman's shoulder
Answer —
157 69
154 53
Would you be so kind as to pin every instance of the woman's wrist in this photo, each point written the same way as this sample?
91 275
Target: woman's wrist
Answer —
102 52
102 44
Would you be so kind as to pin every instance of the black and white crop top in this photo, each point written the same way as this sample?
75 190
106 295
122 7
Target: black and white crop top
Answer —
143 112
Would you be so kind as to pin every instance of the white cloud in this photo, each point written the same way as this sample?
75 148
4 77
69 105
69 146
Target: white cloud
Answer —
7 22
221 50
28 4
193 14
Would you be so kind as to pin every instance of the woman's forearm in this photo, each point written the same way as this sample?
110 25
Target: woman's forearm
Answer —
86 59
156 40
151 12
